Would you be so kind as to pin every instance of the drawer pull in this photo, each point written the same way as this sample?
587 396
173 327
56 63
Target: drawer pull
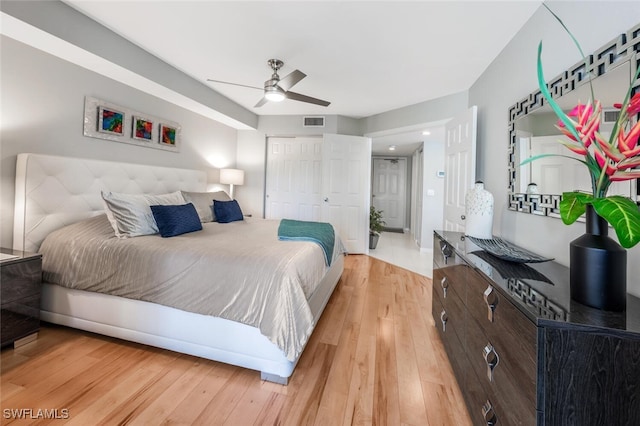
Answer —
444 318
488 414
491 358
444 283
446 250
491 299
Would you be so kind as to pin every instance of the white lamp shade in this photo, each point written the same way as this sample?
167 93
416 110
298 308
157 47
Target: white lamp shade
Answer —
232 176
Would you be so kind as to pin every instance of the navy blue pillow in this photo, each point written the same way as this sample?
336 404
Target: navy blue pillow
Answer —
227 211
176 220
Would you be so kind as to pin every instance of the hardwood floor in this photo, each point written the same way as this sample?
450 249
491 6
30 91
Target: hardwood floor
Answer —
374 359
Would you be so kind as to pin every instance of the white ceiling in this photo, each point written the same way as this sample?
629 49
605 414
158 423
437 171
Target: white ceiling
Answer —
365 57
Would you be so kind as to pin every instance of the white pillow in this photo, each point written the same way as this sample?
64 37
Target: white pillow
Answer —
203 202
130 214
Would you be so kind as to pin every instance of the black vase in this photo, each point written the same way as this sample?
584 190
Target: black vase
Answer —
598 270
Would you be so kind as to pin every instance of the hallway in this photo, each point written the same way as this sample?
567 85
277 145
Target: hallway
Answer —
400 250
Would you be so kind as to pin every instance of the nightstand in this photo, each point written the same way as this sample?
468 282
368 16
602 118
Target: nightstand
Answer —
20 287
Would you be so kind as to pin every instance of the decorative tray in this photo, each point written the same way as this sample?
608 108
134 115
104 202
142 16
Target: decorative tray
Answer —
507 251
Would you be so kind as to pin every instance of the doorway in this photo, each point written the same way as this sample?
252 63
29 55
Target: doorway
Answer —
389 191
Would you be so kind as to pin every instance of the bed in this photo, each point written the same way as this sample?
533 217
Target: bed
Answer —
58 199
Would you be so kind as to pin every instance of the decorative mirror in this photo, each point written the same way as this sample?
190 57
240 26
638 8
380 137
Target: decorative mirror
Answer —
537 187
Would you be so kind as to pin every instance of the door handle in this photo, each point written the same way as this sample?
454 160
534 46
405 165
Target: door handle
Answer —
463 217
326 199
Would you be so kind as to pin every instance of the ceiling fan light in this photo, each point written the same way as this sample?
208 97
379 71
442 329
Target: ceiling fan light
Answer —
274 94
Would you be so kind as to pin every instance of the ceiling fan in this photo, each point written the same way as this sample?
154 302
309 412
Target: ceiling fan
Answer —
276 89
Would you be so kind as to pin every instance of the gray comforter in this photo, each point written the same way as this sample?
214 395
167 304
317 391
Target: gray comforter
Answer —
238 271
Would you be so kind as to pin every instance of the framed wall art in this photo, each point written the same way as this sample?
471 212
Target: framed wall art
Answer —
142 129
167 134
107 121
110 121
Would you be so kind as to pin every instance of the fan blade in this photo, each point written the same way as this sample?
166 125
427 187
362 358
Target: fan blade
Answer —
304 98
290 80
261 102
236 84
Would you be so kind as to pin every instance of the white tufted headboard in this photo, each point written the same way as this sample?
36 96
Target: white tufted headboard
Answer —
52 192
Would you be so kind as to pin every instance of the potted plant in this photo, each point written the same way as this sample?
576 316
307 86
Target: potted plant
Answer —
376 225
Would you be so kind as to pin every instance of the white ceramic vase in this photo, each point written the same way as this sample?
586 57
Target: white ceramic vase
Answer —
479 212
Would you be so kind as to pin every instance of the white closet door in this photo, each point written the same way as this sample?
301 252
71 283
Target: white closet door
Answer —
346 186
294 178
390 190
322 179
460 166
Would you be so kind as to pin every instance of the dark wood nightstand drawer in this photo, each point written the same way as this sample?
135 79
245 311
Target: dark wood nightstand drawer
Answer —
20 279
19 319
20 288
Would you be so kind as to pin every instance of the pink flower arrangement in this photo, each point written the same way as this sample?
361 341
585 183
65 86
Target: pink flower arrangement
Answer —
609 160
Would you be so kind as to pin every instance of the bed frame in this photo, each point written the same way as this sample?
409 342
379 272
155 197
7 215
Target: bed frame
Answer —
52 192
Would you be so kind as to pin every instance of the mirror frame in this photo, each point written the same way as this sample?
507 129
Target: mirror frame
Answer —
625 47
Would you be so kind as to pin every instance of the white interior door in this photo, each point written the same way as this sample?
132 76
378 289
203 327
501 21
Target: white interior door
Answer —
460 166
294 178
389 190
346 166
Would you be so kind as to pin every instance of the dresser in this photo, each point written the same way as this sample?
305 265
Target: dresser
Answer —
20 288
522 351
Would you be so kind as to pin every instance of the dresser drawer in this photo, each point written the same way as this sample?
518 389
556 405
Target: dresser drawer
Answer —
444 254
449 323
451 318
511 393
477 398
449 280
510 338
20 279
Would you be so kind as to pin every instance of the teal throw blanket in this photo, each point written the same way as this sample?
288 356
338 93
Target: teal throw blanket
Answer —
317 232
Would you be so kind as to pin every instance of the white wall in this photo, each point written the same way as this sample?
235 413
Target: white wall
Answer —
432 205
42 111
251 159
511 77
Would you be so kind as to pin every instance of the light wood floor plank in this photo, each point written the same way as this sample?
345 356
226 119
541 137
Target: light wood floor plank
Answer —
375 358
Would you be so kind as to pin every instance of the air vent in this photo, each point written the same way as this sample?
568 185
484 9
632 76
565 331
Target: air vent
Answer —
610 115
313 122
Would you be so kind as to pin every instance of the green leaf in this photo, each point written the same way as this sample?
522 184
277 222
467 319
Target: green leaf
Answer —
539 156
573 205
623 215
542 83
575 41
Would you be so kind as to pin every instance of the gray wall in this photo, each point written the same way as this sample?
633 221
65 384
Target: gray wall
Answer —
511 77
42 100
64 22
429 111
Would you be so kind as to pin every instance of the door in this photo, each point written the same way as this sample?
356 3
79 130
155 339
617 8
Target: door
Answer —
294 178
322 179
460 166
389 190
346 171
